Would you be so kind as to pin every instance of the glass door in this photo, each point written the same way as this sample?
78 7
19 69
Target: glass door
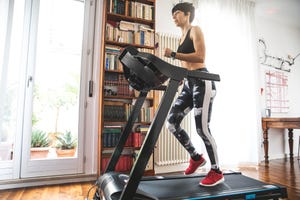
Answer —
46 63
11 24
52 141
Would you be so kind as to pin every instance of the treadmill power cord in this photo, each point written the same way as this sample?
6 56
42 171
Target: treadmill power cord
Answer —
88 193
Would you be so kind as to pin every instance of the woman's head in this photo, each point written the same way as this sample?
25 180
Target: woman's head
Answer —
186 8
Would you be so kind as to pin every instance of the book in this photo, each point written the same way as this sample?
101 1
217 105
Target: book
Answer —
111 135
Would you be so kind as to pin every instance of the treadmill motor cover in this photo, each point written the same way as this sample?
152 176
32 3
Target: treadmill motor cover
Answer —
112 184
139 71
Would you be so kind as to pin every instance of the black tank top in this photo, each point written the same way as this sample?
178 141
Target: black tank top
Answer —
187 45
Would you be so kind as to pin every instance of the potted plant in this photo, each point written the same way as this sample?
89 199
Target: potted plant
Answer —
66 145
39 144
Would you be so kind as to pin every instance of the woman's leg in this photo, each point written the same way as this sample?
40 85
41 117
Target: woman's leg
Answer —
180 109
203 95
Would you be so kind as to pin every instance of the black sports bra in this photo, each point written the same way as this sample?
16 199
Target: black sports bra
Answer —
187 45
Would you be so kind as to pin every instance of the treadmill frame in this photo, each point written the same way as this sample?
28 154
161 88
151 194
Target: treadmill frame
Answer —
176 75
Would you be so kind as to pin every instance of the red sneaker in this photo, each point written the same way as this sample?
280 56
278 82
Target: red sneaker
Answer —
194 165
212 178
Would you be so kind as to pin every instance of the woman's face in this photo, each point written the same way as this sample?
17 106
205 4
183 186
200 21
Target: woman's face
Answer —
180 18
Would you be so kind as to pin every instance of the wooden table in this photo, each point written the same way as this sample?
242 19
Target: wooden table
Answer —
282 123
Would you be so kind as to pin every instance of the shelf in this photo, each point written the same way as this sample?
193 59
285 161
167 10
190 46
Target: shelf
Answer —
123 123
122 44
147 1
112 148
118 97
114 71
124 97
118 17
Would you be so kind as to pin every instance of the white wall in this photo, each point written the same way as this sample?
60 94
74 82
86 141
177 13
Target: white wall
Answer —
164 21
281 40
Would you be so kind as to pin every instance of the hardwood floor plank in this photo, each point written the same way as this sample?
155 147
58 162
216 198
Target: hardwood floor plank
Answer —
33 193
280 171
284 172
53 191
15 194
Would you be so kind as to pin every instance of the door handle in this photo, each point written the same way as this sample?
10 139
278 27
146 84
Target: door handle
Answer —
29 80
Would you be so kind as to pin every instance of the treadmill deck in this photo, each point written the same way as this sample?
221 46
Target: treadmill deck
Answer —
236 186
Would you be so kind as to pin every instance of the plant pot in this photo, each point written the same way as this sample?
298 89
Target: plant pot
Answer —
65 152
39 152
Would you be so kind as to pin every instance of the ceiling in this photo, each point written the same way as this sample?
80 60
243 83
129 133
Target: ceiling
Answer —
283 11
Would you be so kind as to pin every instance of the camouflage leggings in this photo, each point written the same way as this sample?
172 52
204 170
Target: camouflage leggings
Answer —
197 94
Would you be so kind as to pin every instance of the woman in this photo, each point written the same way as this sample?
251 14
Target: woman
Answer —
197 94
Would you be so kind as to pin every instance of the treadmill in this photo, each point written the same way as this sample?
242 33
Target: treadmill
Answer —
146 72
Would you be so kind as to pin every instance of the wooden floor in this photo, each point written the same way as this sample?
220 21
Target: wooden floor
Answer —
280 171
284 172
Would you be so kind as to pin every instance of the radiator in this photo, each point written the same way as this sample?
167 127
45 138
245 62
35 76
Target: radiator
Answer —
166 40
168 150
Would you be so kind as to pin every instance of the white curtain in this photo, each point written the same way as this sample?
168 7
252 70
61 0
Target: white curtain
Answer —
229 32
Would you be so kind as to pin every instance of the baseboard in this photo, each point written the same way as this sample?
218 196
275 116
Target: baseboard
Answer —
170 168
43 181
278 156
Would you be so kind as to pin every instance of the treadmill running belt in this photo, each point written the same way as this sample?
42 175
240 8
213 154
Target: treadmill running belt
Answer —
187 187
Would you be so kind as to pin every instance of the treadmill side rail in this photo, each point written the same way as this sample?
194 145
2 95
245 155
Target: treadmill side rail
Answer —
150 141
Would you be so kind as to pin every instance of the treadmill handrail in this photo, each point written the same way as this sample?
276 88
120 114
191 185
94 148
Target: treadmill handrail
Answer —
176 72
169 70
203 75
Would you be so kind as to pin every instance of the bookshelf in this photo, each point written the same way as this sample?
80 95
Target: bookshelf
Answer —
125 22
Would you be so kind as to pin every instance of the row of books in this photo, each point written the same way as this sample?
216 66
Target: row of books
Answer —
111 139
114 88
112 62
124 164
114 113
117 35
112 134
120 113
112 58
115 84
129 32
146 113
118 88
131 8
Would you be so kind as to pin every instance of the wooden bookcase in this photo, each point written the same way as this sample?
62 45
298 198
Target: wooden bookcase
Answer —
125 22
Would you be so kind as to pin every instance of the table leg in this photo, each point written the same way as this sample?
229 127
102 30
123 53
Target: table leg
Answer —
291 142
266 145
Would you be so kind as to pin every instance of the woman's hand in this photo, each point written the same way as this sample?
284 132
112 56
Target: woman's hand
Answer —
168 52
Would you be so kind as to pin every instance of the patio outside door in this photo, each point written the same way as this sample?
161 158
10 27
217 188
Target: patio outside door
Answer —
44 107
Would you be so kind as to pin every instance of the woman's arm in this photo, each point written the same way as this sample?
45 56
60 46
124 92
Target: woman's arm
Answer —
199 55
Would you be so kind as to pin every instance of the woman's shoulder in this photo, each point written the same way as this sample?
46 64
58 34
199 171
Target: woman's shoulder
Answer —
195 31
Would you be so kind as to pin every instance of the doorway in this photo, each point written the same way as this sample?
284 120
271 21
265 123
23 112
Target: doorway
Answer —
44 76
